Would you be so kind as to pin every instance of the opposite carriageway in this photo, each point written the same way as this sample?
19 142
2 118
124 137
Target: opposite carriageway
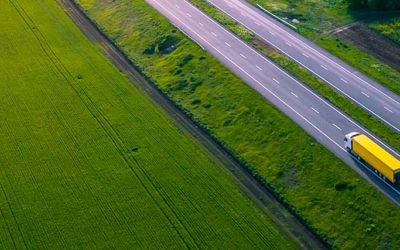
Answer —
355 86
319 118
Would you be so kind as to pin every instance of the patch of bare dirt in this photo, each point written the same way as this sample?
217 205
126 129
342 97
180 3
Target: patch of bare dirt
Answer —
372 43
261 194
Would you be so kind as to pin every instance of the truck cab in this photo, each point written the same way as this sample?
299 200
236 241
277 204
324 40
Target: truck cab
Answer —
347 140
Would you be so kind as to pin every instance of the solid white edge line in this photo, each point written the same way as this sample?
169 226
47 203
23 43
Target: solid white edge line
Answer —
255 80
376 175
315 73
268 22
340 147
295 80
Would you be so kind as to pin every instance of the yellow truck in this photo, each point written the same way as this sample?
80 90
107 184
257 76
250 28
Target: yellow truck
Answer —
384 163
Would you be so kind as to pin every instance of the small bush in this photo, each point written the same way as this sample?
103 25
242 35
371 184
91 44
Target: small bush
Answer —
341 186
185 60
195 102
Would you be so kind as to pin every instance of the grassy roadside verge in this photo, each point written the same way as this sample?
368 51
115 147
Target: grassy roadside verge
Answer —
88 161
317 18
353 110
335 202
389 28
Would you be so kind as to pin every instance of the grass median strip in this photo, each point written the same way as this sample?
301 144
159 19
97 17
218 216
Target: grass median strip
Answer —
359 114
339 205
353 110
88 161
317 18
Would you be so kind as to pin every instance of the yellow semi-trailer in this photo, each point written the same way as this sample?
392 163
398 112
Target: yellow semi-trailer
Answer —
373 154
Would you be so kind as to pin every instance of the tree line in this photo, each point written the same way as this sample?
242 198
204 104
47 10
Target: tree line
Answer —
376 4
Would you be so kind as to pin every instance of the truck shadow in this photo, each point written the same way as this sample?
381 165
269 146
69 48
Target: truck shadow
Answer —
373 176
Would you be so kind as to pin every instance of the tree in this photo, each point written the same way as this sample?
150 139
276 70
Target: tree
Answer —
376 4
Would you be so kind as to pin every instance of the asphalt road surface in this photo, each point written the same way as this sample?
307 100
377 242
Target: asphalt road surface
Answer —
256 190
323 121
360 89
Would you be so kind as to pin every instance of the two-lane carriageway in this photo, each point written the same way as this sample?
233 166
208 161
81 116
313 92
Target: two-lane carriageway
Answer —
318 117
343 78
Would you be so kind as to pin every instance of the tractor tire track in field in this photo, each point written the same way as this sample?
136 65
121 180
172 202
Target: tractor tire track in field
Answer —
16 235
167 211
5 220
249 184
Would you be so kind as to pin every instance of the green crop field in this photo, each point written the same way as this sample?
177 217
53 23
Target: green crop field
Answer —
339 205
88 161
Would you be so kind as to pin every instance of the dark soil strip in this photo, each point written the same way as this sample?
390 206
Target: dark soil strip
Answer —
372 43
252 187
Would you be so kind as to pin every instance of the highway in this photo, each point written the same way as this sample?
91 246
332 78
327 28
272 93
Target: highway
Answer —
255 190
360 89
320 119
